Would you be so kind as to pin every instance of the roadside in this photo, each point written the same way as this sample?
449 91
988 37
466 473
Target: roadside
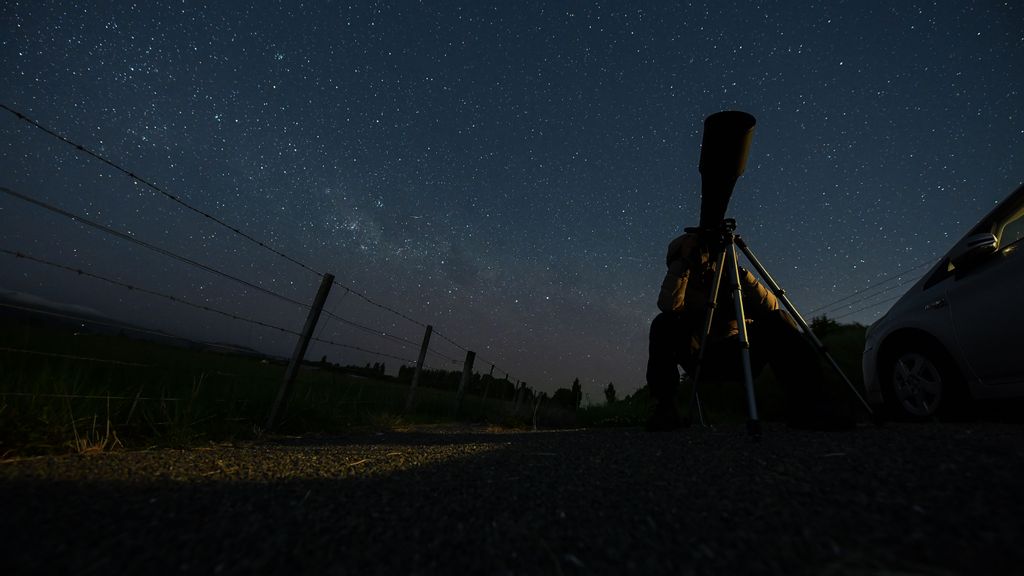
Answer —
937 498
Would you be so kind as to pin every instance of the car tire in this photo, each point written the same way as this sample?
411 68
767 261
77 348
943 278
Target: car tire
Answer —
919 383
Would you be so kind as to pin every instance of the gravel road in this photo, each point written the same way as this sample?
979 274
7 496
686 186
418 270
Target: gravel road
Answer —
900 499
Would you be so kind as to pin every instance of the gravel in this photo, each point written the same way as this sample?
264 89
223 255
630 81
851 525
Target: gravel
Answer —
898 499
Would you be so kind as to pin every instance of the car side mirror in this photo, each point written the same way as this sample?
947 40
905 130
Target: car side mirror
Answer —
973 250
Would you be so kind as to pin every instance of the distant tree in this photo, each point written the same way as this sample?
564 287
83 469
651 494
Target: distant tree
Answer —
577 392
323 360
609 393
405 372
527 392
823 325
565 398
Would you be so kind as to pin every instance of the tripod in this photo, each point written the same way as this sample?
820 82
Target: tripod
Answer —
726 242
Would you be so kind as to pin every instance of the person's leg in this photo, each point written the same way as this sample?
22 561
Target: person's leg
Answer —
669 345
662 362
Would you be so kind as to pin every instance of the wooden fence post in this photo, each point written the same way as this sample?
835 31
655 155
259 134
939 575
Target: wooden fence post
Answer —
419 368
487 391
467 371
300 350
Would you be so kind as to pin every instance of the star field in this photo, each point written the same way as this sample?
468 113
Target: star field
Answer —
507 172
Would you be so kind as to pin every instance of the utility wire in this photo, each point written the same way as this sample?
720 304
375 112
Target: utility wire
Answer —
157 249
156 188
895 276
868 307
879 293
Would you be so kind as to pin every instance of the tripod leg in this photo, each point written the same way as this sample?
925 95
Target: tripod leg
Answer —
708 317
818 345
753 425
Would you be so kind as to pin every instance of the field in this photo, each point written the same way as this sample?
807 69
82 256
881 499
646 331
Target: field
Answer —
63 388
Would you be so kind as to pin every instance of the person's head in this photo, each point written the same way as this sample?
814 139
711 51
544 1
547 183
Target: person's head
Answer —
681 247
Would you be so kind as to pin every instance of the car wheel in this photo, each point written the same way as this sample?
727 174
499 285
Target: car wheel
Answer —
919 383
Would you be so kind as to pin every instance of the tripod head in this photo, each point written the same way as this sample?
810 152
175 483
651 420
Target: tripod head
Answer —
717 235
726 225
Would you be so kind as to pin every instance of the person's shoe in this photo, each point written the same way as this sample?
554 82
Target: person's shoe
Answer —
665 418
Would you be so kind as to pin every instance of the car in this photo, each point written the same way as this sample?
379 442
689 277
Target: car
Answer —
956 335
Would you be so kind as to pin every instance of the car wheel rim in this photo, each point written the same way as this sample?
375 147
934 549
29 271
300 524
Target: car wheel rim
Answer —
917 384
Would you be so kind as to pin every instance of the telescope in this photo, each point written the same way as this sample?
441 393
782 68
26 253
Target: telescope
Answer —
723 156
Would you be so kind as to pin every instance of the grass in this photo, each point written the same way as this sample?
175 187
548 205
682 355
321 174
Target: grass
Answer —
91 441
89 393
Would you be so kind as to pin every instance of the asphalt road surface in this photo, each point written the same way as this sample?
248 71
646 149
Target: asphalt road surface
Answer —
900 499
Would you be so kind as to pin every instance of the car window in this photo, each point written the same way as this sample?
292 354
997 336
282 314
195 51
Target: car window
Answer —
1013 230
1008 227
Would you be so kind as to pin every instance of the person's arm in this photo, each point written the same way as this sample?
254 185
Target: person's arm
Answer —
756 298
672 297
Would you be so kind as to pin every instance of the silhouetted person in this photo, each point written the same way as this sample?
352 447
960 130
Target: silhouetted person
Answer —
676 334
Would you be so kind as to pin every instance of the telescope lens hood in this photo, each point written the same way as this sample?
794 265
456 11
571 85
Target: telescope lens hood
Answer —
723 157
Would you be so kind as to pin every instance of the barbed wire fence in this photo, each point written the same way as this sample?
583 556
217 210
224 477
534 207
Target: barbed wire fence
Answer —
314 310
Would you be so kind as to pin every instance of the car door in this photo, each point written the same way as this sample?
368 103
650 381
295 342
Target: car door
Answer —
987 307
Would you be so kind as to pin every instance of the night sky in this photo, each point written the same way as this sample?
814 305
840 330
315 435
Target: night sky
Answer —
509 172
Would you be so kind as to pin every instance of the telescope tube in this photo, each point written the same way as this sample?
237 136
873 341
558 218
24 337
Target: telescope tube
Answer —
723 157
